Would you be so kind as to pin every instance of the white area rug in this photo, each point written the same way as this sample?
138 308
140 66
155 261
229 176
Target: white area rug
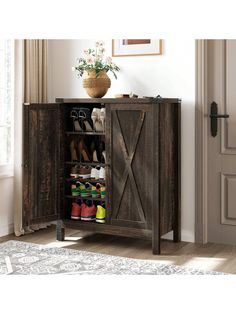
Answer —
21 258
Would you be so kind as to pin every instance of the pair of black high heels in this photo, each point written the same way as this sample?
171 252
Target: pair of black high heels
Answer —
98 152
82 120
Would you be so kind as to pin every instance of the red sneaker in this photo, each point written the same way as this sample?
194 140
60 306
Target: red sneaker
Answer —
88 213
76 211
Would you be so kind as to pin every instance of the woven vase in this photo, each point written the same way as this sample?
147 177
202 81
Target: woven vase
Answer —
96 86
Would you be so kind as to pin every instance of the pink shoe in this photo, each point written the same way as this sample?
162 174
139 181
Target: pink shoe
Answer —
76 211
88 213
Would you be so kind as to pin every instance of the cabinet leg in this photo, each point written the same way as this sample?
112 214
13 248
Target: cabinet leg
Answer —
176 234
156 245
60 229
177 227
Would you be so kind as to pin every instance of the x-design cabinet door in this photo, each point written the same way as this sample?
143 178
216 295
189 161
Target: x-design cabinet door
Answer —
129 147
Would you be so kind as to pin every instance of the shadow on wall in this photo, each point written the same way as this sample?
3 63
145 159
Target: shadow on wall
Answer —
127 83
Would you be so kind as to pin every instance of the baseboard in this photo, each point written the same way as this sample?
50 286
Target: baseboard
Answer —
6 230
186 236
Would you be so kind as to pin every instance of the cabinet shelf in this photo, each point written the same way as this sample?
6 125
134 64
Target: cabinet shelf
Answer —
102 181
85 133
86 163
86 198
84 221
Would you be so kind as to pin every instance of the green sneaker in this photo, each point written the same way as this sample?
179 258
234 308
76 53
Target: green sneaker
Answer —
96 191
103 191
75 188
86 189
100 214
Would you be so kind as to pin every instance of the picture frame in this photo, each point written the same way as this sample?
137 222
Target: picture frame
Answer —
136 47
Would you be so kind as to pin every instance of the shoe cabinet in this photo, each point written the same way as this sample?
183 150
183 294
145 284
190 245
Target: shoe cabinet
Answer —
141 140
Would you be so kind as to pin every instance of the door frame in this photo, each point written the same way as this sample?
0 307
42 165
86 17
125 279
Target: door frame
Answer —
201 188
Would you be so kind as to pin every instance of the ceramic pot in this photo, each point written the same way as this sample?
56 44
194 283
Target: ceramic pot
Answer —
96 86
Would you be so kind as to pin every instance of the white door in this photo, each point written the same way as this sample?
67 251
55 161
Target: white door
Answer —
221 143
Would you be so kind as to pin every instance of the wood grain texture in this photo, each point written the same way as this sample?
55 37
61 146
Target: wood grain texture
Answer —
130 174
41 151
155 182
73 101
142 166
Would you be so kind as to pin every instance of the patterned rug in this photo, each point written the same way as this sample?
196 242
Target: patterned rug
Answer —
21 258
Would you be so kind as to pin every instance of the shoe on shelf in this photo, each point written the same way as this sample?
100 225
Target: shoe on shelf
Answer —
95 193
75 188
101 149
95 156
73 150
103 191
96 190
74 172
75 211
84 172
104 157
103 118
76 122
78 171
102 173
100 214
95 173
86 189
88 211
95 116
85 118
83 151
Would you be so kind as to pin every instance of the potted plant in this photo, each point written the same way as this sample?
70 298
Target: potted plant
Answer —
93 68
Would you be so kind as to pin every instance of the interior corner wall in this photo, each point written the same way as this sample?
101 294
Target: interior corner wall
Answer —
6 205
170 75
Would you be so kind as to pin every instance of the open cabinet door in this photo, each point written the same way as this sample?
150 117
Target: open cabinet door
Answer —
41 156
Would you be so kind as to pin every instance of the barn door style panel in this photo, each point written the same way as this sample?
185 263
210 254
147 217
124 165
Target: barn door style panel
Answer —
130 148
41 162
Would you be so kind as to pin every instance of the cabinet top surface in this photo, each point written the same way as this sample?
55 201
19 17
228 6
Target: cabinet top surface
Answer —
118 100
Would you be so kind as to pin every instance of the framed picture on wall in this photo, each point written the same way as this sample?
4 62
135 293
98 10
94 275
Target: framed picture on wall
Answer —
136 47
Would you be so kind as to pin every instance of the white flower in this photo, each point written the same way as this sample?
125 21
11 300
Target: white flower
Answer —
99 43
73 69
86 52
101 50
108 60
90 60
98 57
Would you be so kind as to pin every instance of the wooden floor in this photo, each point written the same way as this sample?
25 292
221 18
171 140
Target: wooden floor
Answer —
215 257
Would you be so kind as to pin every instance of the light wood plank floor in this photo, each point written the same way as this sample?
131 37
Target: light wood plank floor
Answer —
215 257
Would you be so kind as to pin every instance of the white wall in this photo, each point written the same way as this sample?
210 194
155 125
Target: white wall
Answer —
6 205
170 75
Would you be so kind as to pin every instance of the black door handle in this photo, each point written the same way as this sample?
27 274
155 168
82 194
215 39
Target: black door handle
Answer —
217 116
214 116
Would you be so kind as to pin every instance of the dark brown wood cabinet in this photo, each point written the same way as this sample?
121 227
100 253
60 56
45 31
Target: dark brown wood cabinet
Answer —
142 144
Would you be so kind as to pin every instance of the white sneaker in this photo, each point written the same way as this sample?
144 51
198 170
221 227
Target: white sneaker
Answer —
95 173
102 173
